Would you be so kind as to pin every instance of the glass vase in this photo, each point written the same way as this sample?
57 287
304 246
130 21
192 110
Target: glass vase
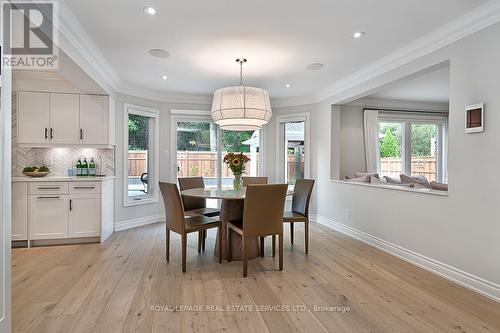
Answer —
237 182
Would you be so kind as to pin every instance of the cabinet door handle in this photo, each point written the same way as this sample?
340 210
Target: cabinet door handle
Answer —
49 188
46 133
82 187
56 197
70 205
51 133
81 134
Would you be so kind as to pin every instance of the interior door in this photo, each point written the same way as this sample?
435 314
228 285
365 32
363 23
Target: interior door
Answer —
64 118
48 216
33 117
84 215
94 119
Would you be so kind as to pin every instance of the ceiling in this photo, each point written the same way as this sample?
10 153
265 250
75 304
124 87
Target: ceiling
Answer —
279 38
428 87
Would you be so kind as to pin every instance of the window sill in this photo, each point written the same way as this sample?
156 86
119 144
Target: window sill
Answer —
145 201
396 188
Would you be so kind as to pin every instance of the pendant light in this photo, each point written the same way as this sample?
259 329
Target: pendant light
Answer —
241 108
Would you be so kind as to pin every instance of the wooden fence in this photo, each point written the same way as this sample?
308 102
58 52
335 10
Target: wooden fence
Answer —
195 163
425 166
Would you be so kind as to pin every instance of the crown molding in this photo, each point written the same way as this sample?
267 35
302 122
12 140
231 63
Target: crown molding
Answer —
79 46
468 24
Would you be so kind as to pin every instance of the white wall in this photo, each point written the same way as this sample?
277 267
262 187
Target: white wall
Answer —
352 145
461 230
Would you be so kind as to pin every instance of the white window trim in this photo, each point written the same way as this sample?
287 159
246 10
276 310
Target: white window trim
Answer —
153 196
177 115
292 117
406 118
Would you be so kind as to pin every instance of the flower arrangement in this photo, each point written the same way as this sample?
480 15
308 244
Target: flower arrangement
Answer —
237 162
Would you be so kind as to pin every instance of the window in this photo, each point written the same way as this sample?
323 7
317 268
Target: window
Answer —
201 145
414 144
293 152
141 155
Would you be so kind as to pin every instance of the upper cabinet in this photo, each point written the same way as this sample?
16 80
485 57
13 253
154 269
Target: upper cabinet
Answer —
33 123
55 119
94 119
64 119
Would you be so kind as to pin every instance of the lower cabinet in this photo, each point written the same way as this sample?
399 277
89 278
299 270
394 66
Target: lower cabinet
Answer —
84 215
48 216
62 210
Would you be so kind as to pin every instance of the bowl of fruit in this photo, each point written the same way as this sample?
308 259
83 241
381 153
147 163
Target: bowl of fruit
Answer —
36 171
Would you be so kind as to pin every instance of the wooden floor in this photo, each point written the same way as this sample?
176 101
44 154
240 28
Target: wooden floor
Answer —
125 285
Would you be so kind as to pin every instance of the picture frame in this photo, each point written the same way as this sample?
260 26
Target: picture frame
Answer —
474 118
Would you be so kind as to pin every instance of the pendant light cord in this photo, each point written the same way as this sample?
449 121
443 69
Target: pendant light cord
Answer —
241 61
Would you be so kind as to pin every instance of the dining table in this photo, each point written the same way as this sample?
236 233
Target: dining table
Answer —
232 204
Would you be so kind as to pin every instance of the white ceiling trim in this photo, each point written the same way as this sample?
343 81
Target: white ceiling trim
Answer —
87 55
468 24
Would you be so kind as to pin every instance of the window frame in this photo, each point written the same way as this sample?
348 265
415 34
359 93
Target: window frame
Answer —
177 115
280 138
152 196
408 118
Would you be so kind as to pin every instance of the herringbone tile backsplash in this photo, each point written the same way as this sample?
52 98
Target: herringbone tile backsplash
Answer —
58 160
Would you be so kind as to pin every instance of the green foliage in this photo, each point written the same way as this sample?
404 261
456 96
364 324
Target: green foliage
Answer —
138 131
193 136
232 141
422 136
389 146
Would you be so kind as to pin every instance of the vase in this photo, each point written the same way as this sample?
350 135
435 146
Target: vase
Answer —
237 182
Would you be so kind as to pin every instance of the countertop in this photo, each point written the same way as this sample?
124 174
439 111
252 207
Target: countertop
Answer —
61 179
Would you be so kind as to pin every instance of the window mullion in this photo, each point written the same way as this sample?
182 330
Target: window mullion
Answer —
407 148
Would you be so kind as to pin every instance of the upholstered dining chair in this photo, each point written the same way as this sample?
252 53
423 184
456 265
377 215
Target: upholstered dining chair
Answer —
300 210
181 224
254 180
262 216
196 206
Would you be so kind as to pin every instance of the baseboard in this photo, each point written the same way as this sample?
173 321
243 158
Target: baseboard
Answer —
467 280
140 221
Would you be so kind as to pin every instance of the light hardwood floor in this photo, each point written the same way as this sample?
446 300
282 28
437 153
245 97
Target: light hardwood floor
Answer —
112 287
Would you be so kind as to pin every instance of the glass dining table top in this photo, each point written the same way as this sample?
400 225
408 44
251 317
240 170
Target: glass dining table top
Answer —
219 193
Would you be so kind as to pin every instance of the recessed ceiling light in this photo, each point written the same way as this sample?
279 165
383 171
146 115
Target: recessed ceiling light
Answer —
149 10
163 77
358 34
159 53
288 85
314 66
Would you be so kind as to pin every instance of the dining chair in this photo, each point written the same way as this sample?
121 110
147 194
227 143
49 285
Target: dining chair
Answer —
178 222
300 210
254 180
262 216
195 206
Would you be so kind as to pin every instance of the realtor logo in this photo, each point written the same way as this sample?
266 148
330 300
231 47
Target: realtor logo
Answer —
30 34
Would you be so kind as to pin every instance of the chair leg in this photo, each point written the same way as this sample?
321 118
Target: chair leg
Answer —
261 246
219 235
200 236
291 232
184 248
228 245
244 259
167 245
306 235
203 240
281 252
274 246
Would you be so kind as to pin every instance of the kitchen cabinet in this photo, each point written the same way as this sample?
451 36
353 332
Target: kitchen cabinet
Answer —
52 211
46 119
94 119
64 118
48 216
33 123
19 229
84 215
